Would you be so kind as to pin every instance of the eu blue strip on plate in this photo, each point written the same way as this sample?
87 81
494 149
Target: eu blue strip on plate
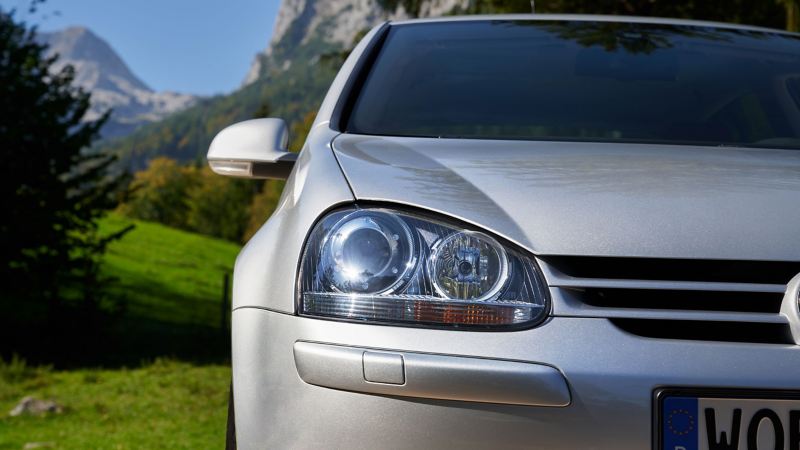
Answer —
679 422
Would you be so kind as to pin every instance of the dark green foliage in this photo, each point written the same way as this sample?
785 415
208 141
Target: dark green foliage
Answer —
53 189
263 111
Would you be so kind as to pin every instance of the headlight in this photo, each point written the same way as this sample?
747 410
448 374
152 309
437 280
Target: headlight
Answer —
381 265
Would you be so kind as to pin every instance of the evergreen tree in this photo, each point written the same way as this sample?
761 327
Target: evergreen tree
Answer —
53 187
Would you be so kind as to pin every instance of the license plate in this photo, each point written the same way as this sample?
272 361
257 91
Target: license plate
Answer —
728 420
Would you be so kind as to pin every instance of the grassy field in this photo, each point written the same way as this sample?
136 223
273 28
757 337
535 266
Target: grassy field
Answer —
165 404
155 375
168 297
166 274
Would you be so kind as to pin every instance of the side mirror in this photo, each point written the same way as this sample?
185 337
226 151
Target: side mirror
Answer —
252 149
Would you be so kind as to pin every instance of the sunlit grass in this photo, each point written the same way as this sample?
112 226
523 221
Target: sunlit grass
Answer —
164 404
167 274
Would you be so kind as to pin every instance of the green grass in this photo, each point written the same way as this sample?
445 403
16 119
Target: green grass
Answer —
168 301
169 284
165 404
166 274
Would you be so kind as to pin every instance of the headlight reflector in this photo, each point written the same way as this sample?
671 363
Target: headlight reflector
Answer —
368 252
381 265
468 265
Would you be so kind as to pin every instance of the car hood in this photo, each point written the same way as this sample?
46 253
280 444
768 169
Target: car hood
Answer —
598 199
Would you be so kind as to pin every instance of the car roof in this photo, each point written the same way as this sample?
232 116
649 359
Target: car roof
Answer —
591 18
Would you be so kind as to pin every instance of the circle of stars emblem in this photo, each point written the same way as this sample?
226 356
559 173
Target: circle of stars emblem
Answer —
680 422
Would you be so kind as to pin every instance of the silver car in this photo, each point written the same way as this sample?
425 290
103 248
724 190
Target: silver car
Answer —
529 232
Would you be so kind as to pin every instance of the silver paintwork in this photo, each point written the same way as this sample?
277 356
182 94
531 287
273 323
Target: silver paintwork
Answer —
378 367
431 376
261 140
598 199
549 198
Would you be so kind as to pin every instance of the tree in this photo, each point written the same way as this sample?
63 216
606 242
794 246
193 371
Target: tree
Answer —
219 206
160 193
53 187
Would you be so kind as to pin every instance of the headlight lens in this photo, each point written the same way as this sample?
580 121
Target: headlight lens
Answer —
468 265
368 252
389 266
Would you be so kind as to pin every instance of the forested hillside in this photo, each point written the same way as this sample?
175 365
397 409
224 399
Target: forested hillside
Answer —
185 136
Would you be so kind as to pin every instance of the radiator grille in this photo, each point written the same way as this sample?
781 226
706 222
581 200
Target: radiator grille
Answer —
733 301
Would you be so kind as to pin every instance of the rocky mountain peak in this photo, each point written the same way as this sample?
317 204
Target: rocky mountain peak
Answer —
336 23
100 70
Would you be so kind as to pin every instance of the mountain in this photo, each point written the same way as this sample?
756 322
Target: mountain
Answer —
337 23
99 70
288 79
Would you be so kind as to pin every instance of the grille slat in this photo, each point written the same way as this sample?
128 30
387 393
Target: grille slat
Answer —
725 301
725 271
573 304
570 282
737 300
745 332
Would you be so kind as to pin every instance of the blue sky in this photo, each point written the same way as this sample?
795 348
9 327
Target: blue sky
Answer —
193 46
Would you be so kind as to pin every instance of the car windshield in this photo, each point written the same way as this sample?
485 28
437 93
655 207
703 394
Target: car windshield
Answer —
584 81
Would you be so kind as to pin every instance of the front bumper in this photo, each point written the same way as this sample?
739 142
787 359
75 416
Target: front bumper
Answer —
612 377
